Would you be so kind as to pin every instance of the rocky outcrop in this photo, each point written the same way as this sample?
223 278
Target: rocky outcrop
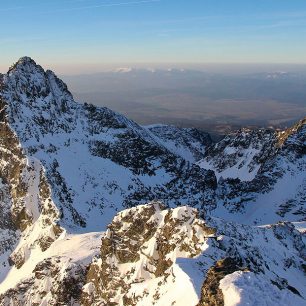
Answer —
146 240
240 154
254 167
55 281
143 248
211 294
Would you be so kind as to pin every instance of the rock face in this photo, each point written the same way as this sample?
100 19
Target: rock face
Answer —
140 249
55 281
154 256
68 170
211 293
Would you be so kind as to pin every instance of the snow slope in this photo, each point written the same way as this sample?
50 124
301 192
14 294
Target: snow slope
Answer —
239 155
188 143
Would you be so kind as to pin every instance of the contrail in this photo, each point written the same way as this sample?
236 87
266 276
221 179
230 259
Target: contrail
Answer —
87 7
12 9
109 5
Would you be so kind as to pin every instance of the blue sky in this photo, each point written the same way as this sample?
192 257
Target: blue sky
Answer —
73 34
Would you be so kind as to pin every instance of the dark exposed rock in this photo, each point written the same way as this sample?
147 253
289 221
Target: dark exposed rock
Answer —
61 281
211 294
126 242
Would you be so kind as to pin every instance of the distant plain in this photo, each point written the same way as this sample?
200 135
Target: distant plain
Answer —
218 102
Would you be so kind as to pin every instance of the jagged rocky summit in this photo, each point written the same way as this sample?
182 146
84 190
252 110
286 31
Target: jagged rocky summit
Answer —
68 169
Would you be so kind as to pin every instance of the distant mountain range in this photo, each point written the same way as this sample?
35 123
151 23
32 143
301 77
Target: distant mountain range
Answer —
99 210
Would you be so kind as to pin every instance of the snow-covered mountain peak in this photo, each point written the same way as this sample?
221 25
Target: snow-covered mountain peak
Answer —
38 103
30 80
25 63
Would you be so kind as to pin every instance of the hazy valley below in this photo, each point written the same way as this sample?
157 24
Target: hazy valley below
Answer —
213 101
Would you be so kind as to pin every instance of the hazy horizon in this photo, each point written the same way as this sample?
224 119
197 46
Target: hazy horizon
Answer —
213 101
223 68
227 50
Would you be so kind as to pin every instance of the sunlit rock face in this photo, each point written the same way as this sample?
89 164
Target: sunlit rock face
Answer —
151 255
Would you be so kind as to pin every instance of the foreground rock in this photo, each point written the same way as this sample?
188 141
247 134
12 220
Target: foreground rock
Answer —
151 255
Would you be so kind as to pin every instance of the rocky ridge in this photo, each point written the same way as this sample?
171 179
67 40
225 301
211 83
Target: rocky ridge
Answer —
67 168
